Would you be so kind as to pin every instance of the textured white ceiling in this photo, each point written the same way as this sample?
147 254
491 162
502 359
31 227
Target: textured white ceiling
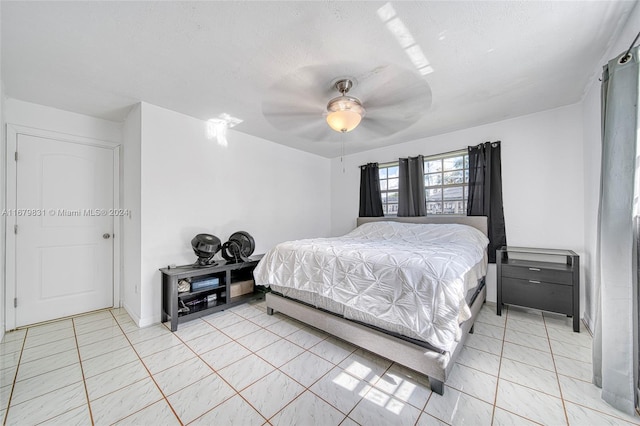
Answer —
488 60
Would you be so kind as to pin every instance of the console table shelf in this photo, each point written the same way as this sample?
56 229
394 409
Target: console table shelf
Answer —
197 302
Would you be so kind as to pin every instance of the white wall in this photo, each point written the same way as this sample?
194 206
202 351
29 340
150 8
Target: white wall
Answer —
592 157
46 118
3 150
542 171
191 184
2 198
131 226
177 183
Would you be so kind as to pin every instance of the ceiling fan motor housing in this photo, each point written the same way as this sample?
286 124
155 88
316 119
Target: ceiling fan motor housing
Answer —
344 112
343 85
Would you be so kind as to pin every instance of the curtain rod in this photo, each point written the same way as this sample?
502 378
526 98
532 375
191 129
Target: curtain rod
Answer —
626 57
455 151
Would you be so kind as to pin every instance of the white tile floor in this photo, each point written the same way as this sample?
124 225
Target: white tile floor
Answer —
247 368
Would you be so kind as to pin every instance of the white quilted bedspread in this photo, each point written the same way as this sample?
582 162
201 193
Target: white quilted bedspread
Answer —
406 274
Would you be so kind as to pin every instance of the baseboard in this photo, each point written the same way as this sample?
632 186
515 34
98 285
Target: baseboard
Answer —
588 323
146 322
133 316
141 322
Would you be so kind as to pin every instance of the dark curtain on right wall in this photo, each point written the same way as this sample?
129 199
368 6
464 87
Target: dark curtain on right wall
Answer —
485 192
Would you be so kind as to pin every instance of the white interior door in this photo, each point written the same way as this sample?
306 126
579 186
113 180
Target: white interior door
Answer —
64 239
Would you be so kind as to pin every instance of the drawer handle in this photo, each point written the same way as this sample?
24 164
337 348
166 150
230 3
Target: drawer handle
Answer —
534 269
534 282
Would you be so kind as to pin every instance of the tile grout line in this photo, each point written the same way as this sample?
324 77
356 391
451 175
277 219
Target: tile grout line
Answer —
495 406
150 376
557 374
535 349
535 366
84 380
306 388
13 385
373 387
107 352
577 403
504 335
20 363
215 371
371 384
564 406
252 352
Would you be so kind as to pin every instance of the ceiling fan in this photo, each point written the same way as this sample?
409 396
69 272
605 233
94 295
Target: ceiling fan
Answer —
372 102
344 113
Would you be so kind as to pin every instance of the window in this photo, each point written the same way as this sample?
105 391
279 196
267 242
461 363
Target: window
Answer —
446 182
389 188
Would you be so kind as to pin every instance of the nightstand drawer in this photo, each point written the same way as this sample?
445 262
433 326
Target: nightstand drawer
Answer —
538 274
537 294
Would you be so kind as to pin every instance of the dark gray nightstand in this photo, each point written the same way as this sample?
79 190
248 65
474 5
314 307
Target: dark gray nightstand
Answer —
545 279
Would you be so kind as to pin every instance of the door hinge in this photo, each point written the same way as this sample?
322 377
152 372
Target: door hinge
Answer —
16 156
15 302
15 229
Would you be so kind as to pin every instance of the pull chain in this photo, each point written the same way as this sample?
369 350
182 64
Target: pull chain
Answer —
342 153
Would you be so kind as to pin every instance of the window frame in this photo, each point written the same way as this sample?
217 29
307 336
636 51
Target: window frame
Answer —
443 186
385 191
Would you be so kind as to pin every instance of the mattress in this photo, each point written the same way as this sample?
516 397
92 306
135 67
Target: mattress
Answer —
410 279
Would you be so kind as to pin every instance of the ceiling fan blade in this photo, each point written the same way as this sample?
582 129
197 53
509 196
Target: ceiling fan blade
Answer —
321 133
393 97
296 122
412 95
384 126
293 103
400 113
281 110
297 101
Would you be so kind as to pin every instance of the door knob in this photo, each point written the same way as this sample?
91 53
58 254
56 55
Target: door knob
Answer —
106 236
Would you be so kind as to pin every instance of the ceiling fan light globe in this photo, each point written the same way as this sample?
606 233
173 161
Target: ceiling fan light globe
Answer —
344 120
344 113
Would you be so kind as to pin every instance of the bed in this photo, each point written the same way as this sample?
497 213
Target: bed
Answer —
408 289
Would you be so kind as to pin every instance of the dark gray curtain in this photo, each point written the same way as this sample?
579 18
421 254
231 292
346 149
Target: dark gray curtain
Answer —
615 340
485 192
370 199
411 198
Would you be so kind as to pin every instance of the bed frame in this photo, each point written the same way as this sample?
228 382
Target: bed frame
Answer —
432 364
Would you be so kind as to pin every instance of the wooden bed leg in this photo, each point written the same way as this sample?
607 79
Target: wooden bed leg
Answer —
436 386
269 311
